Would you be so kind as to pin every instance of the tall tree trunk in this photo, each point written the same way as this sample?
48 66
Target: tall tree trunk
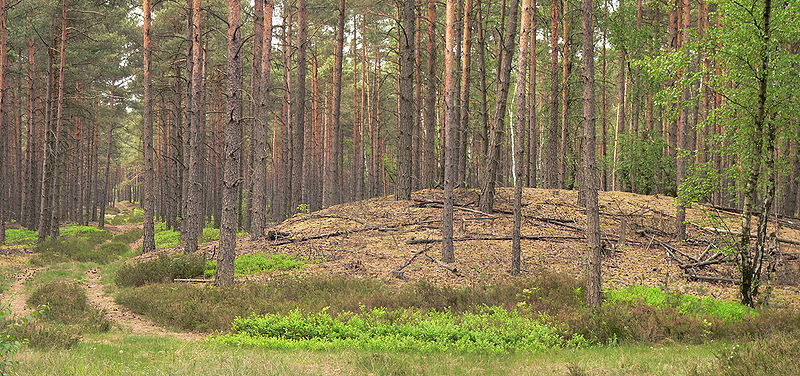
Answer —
533 129
551 152
3 126
520 123
358 149
750 257
429 171
187 114
450 123
562 149
261 124
195 215
48 158
620 127
405 116
232 152
148 241
329 188
54 214
258 137
299 190
486 201
464 95
32 184
683 132
589 184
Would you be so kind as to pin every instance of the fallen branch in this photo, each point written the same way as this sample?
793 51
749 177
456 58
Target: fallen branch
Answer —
497 237
709 278
452 269
193 280
399 271
722 231
347 232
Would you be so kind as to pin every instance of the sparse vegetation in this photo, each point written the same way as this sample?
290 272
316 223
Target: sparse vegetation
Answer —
128 237
21 236
254 263
163 268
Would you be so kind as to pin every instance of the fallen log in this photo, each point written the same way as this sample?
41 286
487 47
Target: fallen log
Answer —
452 269
723 231
193 280
466 238
710 278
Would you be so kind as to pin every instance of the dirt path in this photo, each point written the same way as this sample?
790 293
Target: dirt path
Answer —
126 319
17 292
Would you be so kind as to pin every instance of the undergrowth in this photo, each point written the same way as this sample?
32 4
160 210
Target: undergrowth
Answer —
163 268
128 237
488 330
686 304
21 237
254 263
134 216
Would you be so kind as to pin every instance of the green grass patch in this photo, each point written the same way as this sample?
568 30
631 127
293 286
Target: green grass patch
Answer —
489 330
67 316
167 239
91 235
104 253
128 237
163 268
686 304
209 234
254 263
53 251
134 216
21 237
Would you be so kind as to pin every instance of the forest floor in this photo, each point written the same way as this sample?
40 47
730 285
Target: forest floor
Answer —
372 239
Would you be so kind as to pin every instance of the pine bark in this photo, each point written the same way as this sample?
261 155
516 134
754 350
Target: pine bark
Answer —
448 254
405 116
429 171
486 201
589 163
194 214
261 125
683 134
551 152
299 190
520 124
466 65
148 241
232 152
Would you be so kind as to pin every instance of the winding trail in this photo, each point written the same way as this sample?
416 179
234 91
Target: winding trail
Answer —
124 318
17 292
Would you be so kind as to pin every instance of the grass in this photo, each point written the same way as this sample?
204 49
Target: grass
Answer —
128 237
686 304
491 330
254 263
134 216
163 268
113 353
21 237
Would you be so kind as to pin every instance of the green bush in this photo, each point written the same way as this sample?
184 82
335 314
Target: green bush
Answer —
11 339
163 268
128 237
67 304
254 263
53 251
91 235
103 254
488 330
209 234
686 304
167 239
134 216
21 236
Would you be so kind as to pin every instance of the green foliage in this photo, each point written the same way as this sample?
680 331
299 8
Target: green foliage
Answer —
686 304
21 236
303 208
772 355
104 253
128 237
254 263
642 165
91 235
54 251
10 341
68 305
163 268
488 330
134 216
209 234
167 239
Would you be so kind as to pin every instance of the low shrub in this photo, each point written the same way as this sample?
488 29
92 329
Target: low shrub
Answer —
209 234
488 330
103 254
775 354
67 304
128 237
167 239
163 268
21 236
134 216
686 304
52 251
91 235
254 263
